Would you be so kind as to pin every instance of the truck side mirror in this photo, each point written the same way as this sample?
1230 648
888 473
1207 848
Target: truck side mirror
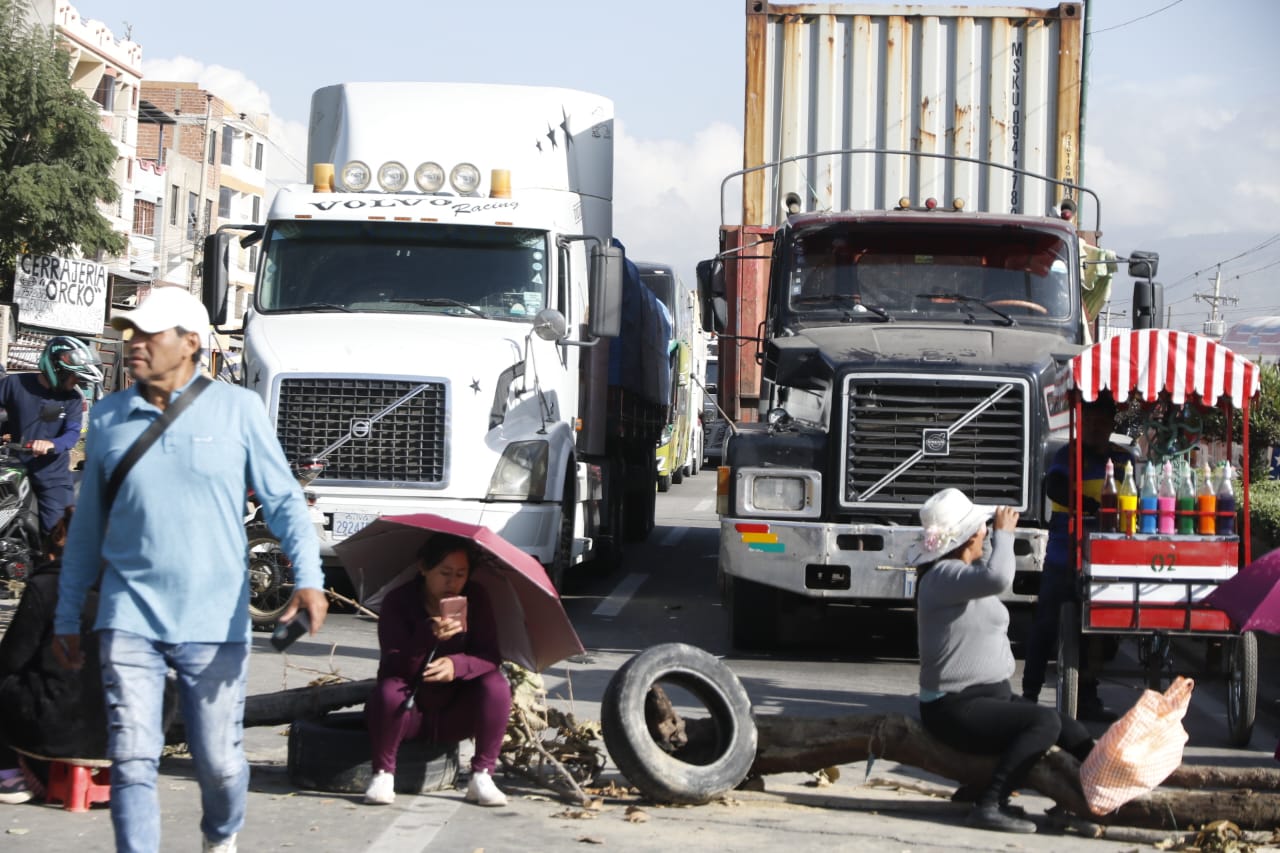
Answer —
215 275
1143 264
606 292
1148 304
715 309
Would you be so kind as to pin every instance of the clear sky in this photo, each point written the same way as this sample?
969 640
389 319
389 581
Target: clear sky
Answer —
1182 138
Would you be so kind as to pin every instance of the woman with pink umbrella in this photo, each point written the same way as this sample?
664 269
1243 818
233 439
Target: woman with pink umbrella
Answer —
439 674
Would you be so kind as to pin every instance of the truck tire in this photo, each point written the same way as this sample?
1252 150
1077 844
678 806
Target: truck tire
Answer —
660 775
665 481
753 615
677 476
332 754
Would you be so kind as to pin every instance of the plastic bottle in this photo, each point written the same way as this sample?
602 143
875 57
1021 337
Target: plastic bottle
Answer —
1108 507
1127 500
1186 500
1206 502
1166 500
1226 503
1148 500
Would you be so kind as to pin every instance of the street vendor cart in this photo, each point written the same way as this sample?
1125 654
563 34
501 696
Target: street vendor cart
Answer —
1151 586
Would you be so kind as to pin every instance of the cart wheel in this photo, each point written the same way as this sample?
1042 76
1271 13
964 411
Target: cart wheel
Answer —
1242 688
1068 659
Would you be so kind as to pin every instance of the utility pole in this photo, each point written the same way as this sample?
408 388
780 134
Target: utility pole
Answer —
1104 321
1215 326
204 177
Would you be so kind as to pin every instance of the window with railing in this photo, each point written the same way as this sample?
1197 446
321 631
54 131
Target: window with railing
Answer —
144 218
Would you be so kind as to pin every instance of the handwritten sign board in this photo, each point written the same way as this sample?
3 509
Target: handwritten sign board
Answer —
54 292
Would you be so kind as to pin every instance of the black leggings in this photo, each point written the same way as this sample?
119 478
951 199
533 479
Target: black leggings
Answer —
988 719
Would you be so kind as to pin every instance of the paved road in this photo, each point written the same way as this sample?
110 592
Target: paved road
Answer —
666 591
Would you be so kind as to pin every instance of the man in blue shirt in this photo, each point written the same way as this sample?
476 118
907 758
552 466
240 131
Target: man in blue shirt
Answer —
174 568
45 410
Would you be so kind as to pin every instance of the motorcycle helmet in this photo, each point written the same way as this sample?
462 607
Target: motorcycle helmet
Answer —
63 355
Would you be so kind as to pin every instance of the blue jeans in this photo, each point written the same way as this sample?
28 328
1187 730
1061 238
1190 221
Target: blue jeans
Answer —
211 687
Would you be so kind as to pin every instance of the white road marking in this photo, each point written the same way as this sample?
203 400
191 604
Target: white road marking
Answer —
673 536
621 594
705 505
414 830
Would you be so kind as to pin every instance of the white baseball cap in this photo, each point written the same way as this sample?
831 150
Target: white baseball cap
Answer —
165 308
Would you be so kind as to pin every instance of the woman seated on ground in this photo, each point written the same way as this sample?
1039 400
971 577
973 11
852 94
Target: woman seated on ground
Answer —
452 676
46 710
966 700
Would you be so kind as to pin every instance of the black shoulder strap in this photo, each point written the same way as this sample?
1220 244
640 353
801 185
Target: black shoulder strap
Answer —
148 438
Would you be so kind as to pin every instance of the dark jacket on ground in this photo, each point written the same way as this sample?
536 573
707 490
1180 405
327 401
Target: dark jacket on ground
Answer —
45 709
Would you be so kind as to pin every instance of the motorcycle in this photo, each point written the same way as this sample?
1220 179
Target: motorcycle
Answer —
19 518
271 578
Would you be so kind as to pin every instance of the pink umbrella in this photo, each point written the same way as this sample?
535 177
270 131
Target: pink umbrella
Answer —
1252 597
533 629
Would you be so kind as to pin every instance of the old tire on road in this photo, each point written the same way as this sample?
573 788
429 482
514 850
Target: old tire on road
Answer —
663 776
332 754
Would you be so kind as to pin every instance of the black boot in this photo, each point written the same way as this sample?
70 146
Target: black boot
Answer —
989 816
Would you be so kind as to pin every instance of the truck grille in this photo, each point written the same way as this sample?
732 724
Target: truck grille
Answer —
887 419
407 445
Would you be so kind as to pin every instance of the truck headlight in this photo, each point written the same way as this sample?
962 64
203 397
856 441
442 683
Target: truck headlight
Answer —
429 177
392 176
356 175
521 473
774 492
465 178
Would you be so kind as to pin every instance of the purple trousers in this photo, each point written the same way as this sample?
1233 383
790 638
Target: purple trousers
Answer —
479 708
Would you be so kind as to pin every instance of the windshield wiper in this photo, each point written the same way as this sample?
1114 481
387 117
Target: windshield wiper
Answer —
320 306
440 300
969 300
847 299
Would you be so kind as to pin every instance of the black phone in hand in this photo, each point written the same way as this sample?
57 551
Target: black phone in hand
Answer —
286 632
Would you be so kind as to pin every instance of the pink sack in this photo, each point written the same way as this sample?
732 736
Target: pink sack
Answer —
1139 750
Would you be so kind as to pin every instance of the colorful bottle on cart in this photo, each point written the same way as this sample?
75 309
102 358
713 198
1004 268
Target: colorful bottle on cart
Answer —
1206 502
1226 503
1108 506
1127 499
1148 500
1166 500
1186 500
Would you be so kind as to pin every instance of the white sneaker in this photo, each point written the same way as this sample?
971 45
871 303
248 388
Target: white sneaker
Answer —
482 791
381 790
227 846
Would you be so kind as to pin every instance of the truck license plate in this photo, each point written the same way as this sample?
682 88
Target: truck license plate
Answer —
347 523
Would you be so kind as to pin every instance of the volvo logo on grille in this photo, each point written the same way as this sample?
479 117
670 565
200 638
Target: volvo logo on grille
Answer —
935 442
361 427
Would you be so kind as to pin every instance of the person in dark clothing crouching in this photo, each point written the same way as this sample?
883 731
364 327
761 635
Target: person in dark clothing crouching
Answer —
966 700
46 710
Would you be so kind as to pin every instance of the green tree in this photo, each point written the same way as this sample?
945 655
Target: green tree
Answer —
56 161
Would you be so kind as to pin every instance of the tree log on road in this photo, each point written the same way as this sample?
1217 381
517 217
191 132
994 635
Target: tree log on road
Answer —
790 744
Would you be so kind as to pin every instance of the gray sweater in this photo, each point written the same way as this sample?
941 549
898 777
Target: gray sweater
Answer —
961 623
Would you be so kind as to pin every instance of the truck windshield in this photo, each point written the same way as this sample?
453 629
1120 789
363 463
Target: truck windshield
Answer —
878 273
419 268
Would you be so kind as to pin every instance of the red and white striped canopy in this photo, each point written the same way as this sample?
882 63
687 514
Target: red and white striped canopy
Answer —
1147 362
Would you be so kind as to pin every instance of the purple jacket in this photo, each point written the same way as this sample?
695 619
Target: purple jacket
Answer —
405 641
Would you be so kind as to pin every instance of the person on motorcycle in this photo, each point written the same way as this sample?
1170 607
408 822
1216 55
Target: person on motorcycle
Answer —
45 412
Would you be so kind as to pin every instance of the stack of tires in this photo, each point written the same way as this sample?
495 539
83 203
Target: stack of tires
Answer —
331 754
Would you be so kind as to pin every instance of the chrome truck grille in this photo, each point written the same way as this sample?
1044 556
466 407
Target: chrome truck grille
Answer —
906 438
404 445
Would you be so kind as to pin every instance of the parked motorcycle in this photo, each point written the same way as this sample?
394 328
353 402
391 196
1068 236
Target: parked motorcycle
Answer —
271 578
19 518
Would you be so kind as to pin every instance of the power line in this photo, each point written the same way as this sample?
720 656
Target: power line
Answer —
1135 20
1264 244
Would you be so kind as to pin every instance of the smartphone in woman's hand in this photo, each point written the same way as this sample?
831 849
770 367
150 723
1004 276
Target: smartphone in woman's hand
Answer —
455 607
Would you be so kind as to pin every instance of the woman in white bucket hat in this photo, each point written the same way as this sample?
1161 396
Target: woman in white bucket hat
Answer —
966 700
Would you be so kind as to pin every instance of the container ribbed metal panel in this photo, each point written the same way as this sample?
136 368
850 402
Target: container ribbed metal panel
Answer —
999 84
407 445
886 418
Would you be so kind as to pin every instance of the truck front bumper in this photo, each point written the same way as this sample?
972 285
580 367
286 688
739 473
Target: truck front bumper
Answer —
847 562
532 528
